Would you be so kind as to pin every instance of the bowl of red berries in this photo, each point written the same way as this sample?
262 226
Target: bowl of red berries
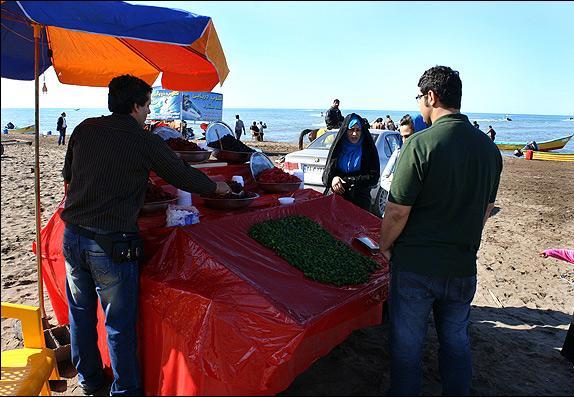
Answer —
275 180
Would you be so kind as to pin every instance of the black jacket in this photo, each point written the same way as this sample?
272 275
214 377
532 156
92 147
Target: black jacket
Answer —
370 172
333 118
60 123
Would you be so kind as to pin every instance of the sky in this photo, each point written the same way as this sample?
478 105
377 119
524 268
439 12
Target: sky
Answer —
513 57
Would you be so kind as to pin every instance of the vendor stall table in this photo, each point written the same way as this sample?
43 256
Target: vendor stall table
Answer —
222 315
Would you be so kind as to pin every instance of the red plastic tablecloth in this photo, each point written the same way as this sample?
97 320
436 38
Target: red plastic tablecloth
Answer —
222 315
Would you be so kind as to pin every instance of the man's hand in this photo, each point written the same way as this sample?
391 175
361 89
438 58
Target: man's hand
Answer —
542 254
337 185
386 255
222 188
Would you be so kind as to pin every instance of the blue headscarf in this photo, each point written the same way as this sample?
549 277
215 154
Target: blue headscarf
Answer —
350 155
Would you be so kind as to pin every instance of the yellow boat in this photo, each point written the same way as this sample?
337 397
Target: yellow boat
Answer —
21 130
558 143
559 157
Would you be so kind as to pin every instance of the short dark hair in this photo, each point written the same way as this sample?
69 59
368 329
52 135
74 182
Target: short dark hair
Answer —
489 127
407 120
388 116
336 100
237 116
445 83
125 91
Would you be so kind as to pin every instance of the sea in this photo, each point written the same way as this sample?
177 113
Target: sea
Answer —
285 125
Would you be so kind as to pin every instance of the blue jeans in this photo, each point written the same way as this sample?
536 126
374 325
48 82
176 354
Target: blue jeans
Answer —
412 297
62 137
91 274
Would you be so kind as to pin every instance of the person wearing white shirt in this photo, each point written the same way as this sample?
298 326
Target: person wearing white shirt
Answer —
406 129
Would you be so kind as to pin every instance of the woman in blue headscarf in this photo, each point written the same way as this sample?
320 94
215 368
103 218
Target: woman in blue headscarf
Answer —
352 167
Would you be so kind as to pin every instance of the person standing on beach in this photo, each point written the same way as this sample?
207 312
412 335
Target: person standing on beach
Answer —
443 192
61 127
254 131
406 129
106 172
239 127
333 117
389 124
491 133
262 126
352 166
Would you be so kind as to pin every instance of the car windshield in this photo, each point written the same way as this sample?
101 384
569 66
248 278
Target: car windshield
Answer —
326 140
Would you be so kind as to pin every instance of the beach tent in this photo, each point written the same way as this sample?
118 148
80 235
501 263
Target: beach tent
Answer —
90 42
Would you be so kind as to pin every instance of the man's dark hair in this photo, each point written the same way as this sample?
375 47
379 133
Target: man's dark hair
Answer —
237 116
407 120
388 117
445 83
336 100
489 127
125 91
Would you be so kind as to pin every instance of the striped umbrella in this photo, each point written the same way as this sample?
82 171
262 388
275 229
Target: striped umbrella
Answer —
90 42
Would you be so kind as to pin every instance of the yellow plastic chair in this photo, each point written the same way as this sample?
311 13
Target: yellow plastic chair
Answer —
26 371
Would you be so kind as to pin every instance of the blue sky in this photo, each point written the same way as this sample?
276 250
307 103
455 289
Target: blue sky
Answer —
513 57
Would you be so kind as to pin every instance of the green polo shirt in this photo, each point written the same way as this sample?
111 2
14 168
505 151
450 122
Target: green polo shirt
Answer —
448 173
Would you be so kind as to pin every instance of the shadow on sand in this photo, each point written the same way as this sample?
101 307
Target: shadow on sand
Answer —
516 351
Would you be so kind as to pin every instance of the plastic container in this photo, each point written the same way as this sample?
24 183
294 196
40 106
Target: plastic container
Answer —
299 173
183 198
286 201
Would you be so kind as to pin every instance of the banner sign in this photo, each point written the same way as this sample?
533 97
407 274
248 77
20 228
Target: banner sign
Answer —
186 105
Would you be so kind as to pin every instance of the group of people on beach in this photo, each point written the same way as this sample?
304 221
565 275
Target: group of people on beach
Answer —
257 130
445 183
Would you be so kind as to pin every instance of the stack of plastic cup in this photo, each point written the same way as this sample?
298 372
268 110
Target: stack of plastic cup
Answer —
183 198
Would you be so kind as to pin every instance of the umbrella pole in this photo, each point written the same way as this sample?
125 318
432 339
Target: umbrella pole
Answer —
37 30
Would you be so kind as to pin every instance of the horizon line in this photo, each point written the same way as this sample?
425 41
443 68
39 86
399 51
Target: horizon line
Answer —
317 108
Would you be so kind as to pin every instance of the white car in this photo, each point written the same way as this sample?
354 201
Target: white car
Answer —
313 158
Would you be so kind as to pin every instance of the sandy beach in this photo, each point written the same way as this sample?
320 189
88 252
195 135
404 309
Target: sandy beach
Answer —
520 313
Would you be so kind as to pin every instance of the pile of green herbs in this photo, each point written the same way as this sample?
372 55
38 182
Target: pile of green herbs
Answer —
306 245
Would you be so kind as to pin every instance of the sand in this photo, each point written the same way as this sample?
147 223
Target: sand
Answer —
520 313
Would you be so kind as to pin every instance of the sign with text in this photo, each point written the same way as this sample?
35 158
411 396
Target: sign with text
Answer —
186 105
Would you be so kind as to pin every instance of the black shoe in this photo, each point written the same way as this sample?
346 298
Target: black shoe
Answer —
101 391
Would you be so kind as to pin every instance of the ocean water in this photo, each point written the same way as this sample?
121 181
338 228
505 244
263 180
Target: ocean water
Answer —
286 124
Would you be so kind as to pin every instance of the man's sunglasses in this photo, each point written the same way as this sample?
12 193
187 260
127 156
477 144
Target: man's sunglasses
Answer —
418 97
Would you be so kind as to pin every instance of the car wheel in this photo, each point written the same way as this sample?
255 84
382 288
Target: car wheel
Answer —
380 202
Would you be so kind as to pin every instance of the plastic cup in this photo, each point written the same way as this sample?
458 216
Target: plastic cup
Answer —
183 198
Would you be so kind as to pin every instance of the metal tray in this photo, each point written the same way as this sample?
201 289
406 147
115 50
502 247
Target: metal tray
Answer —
194 156
157 207
228 204
231 156
279 187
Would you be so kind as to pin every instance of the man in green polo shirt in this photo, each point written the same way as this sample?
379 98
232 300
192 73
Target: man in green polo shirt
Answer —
442 193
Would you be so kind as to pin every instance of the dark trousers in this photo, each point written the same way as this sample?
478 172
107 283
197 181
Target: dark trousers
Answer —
360 196
62 137
568 347
412 298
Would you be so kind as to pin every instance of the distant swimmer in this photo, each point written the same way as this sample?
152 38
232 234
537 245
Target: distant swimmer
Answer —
77 109
508 119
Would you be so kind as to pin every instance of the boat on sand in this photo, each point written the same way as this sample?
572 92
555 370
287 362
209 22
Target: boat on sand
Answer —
550 145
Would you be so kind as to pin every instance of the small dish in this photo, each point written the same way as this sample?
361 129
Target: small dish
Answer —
286 200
